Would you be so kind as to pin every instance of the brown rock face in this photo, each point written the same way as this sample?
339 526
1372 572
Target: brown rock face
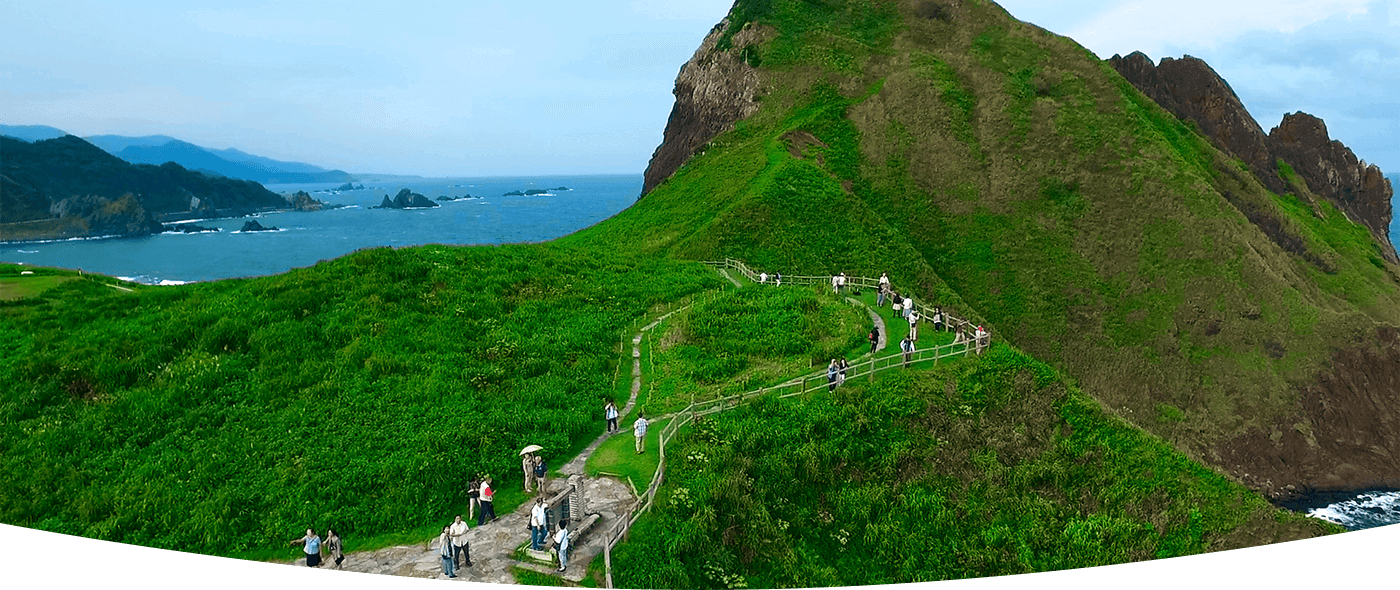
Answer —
1333 172
714 90
1343 436
1191 90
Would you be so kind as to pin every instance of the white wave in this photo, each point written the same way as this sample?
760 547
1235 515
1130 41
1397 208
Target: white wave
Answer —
1366 510
263 231
170 282
28 251
64 240
351 207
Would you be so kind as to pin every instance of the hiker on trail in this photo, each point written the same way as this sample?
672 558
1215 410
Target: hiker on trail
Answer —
896 304
541 474
311 545
445 552
538 518
488 509
639 430
981 336
610 412
836 284
527 465
334 547
841 376
473 497
461 549
831 372
874 338
960 337
778 279
762 278
907 346
937 319
843 283
914 325
908 306
883 289
561 538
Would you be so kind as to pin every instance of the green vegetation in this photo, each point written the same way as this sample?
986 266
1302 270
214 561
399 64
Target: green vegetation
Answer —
19 287
985 467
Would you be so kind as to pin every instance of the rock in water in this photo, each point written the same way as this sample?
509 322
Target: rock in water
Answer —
252 225
406 199
301 201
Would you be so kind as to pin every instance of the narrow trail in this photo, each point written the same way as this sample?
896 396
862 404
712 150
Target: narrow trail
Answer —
493 546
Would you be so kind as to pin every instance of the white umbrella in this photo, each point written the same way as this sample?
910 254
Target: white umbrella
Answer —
531 449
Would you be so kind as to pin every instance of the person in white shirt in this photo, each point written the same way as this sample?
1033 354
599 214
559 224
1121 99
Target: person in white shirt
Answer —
762 278
639 430
460 548
561 538
882 289
914 325
538 518
981 336
836 284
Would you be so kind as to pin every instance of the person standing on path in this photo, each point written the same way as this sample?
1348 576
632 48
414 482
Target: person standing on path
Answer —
527 465
639 430
311 545
907 346
842 367
541 474
831 373
763 278
883 289
610 412
461 548
874 338
538 520
937 319
836 284
334 547
914 325
896 304
473 497
981 336
488 508
445 552
777 279
561 538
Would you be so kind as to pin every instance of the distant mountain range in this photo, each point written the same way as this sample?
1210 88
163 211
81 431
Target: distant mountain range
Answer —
159 149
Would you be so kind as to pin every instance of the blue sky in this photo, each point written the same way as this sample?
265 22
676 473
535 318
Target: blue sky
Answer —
486 88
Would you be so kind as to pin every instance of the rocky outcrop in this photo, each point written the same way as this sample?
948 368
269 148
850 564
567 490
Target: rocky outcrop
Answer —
1333 172
301 201
406 199
715 89
252 225
1191 90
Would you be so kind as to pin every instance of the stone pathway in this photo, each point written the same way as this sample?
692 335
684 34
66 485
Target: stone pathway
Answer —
725 274
493 546
879 323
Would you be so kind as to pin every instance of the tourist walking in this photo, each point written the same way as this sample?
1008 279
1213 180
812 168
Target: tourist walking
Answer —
538 521
981 336
473 497
610 412
527 465
874 338
841 367
914 325
907 346
836 284
488 509
311 545
778 279
896 304
334 547
639 430
763 278
908 306
461 549
937 319
882 289
445 552
831 372
541 474
561 539
842 286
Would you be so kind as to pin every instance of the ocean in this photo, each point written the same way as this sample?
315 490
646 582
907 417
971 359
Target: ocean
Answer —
304 238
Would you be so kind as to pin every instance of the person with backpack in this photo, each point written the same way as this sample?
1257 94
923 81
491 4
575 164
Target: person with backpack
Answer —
445 552
541 474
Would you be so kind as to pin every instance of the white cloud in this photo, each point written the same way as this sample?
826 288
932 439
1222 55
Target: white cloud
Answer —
1153 26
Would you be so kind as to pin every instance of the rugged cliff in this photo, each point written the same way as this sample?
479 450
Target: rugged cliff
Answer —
1190 89
714 89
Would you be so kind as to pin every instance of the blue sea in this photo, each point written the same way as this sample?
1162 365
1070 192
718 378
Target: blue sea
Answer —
304 238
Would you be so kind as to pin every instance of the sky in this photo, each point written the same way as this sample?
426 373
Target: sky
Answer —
472 88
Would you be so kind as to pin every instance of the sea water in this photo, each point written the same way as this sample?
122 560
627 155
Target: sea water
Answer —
1353 510
304 238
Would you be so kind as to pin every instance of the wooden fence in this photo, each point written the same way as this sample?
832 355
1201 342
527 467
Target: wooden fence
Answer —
791 388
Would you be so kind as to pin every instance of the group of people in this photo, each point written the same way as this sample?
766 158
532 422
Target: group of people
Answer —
536 473
836 373
777 278
312 545
838 283
539 532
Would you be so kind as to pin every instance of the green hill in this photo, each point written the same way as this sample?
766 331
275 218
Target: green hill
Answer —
1172 338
